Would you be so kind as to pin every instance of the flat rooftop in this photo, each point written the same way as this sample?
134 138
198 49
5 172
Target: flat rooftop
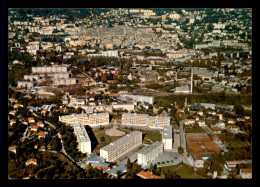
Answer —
81 133
121 140
167 132
150 148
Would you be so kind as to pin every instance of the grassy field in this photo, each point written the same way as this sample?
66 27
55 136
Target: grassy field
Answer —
101 133
194 129
232 141
149 135
183 171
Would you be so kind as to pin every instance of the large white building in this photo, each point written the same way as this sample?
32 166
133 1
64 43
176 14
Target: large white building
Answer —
149 153
120 147
144 120
84 142
140 98
31 77
61 75
167 137
25 84
67 81
123 106
50 69
110 53
95 119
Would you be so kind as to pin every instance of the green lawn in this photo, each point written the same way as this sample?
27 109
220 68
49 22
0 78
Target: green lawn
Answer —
232 141
195 129
182 171
99 133
149 135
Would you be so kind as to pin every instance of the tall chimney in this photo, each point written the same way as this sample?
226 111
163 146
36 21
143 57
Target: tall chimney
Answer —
191 81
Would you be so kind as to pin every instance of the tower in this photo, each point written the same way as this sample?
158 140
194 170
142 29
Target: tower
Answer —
191 81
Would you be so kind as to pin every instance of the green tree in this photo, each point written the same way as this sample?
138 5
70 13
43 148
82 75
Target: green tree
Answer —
129 164
180 150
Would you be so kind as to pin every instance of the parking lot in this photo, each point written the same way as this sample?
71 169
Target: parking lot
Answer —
174 158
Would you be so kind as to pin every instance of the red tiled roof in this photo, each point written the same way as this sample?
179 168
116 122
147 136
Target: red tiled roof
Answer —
147 175
42 134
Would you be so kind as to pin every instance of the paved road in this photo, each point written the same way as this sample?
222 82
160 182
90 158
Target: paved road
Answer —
185 158
62 148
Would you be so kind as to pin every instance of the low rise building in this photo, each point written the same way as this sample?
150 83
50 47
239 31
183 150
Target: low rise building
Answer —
149 153
25 84
147 175
245 173
123 106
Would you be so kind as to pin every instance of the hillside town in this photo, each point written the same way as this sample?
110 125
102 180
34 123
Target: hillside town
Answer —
130 93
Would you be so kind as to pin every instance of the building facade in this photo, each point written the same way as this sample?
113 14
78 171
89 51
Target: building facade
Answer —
167 137
95 119
144 120
50 69
140 98
66 81
120 147
25 84
149 153
84 142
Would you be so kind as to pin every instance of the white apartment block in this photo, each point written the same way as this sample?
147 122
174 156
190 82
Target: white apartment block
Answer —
76 102
95 119
50 69
84 142
67 81
175 16
61 75
140 98
149 153
120 147
26 84
123 106
110 53
144 120
167 137
32 77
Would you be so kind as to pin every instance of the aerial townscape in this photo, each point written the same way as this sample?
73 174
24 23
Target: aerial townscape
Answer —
129 93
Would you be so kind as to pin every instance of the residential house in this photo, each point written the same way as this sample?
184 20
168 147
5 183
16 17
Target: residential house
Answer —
18 105
201 123
12 149
221 124
31 161
44 112
220 116
211 112
34 128
216 130
245 173
197 118
31 120
147 175
200 113
234 129
42 134
40 124
188 122
13 100
12 121
231 121
12 112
